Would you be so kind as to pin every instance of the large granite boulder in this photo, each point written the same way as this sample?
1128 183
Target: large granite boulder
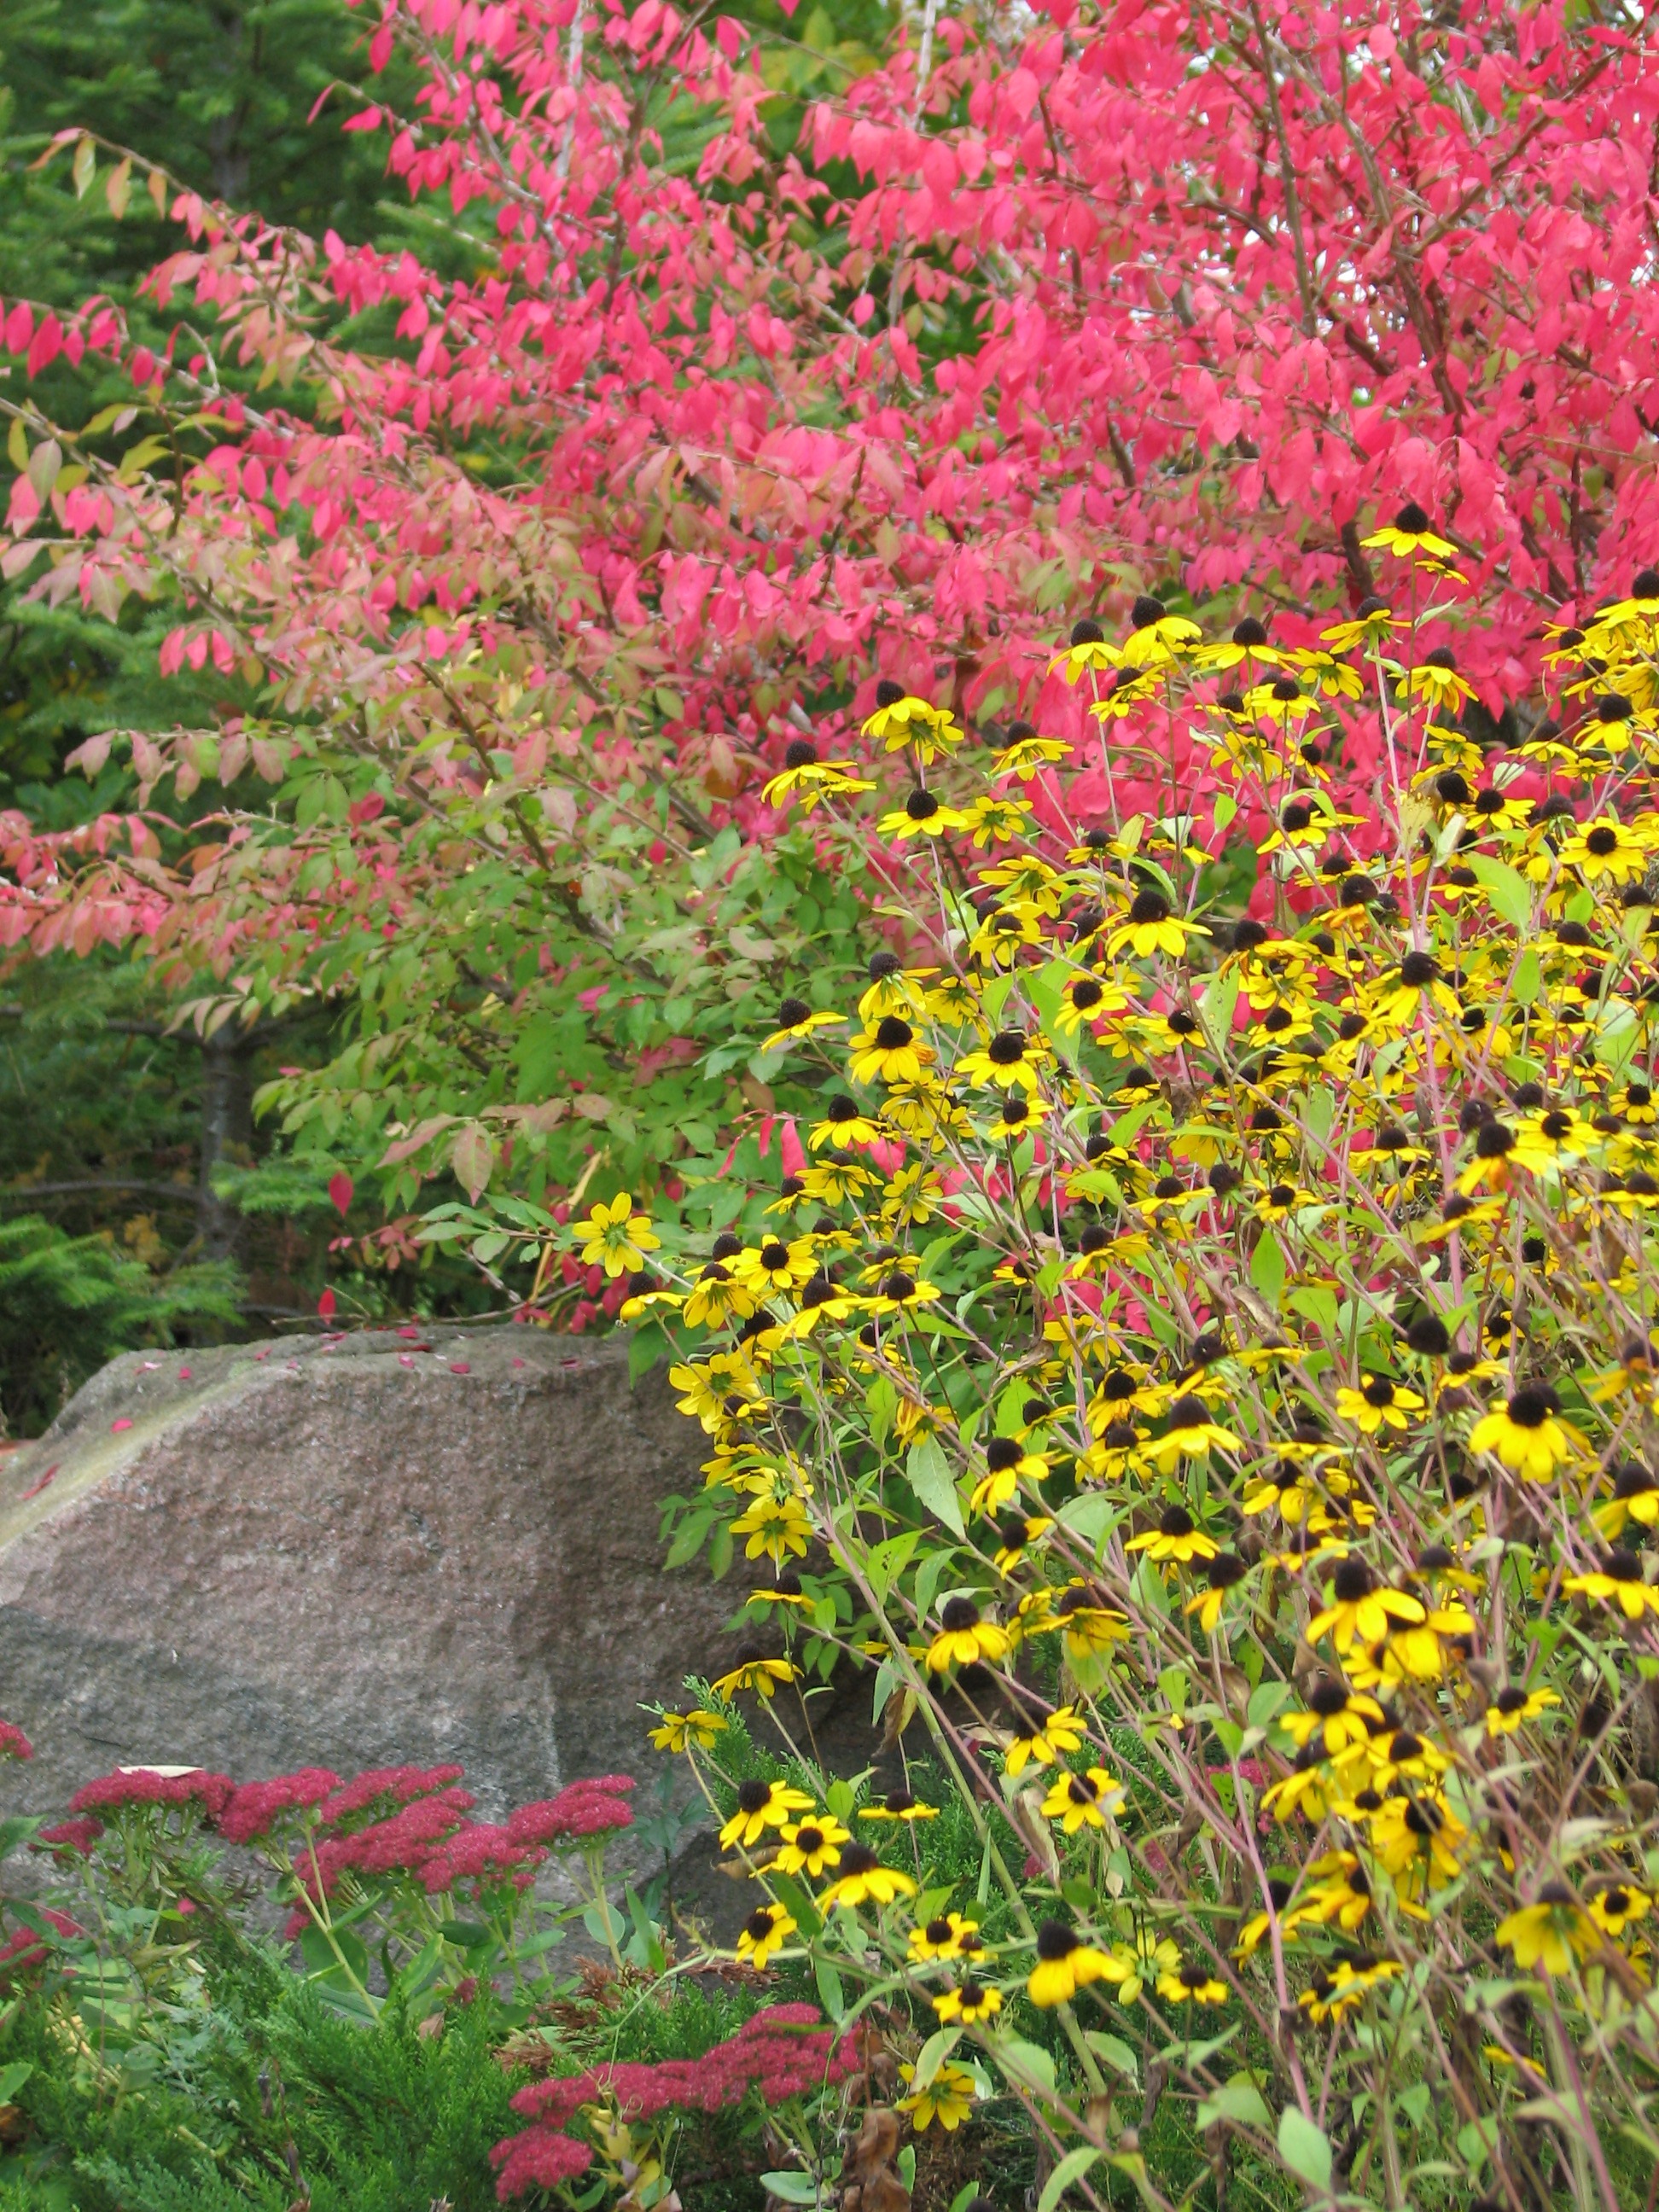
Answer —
351 1553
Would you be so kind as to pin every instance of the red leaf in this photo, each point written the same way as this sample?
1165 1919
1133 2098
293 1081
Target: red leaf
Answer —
326 1306
340 1188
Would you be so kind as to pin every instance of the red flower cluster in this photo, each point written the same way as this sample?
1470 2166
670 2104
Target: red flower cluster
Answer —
114 1793
592 1808
77 1836
539 2157
383 1787
784 2051
25 1951
256 1806
14 1744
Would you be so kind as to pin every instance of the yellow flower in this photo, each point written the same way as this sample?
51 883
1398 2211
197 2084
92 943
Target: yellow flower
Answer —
1512 1705
1332 1997
922 815
761 1805
1010 1058
1175 1537
1059 1735
694 1731
1550 1932
950 1936
1525 1434
797 1020
1065 1964
1007 1465
811 1845
1618 1905
1226 1571
967 2002
775 1265
1192 1434
948 2097
899 718
1378 1403
616 1237
766 1929
760 1675
1361 1608
1191 1984
965 1638
899 1805
1079 1801
717 1298
1142 1962
1410 534
1619 1578
863 1879
776 1528
1149 927
889 1052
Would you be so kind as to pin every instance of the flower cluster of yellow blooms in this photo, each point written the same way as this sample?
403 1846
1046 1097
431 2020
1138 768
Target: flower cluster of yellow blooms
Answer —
1203 1370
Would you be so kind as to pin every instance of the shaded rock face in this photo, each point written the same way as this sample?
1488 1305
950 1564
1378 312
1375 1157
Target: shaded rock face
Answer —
354 1554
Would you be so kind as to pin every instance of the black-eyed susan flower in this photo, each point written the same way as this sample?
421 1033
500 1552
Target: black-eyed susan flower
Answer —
1150 927
1378 1403
1059 1735
776 1528
1619 1580
1226 1572
1512 1706
1016 1117
948 2097
1361 1608
965 1639
1607 848
1550 1932
797 1021
692 1731
844 1123
1088 1626
1619 1906
1067 1963
923 814
1082 1800
811 1845
1193 1983
863 1879
617 1239
1635 1497
947 1936
1525 1435
717 1298
1015 1533
1340 1893
1177 1536
762 1676
1086 652
1193 1433
1331 1996
899 718
1416 986
765 1932
900 1291
1007 1464
1336 1717
1410 535
889 1052
900 1805
761 1805
1011 1059
967 2002
1279 1891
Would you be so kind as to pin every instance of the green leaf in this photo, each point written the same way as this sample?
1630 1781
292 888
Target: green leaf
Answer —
1120 2055
1268 1268
792 2188
85 167
934 2052
1216 1009
1305 2148
928 1473
1239 2101
1072 2167
833 1997
1510 895
1028 2063
12 2079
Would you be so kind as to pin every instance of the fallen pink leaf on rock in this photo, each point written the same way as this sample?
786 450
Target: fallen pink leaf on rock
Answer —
116 1427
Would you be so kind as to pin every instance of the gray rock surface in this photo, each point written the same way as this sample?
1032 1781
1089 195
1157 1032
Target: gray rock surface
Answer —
350 1554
